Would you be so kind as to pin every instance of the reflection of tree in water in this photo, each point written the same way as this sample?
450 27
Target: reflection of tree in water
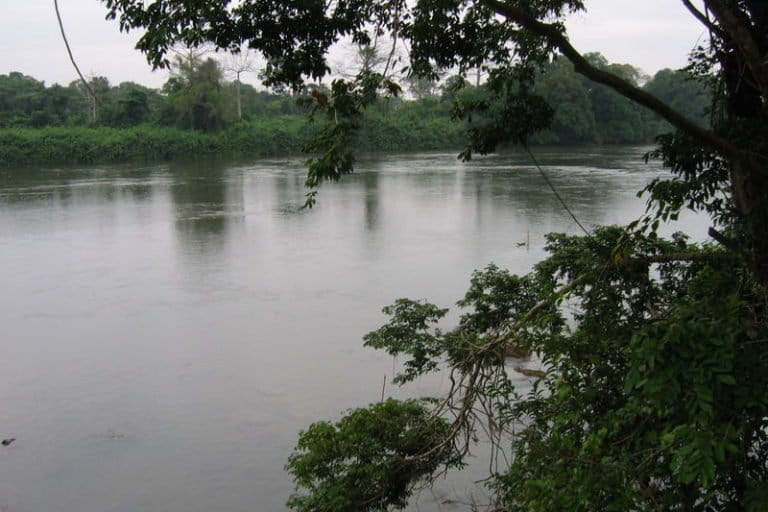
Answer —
602 157
514 186
63 186
140 185
370 182
206 204
290 189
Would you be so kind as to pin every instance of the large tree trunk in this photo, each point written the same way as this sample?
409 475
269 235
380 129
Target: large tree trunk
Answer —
750 197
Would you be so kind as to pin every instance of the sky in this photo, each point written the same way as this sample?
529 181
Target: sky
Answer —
649 34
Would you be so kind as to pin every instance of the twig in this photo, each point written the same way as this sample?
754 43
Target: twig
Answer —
383 386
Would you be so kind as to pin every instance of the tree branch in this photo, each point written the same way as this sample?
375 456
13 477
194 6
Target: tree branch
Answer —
722 239
554 35
702 18
72 59
742 36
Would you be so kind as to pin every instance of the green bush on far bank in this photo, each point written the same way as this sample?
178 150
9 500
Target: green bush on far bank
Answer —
258 138
81 145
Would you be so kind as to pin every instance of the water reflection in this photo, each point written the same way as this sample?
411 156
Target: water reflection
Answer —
289 186
209 205
370 182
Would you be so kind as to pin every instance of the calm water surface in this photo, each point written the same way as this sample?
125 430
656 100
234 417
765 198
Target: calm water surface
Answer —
168 329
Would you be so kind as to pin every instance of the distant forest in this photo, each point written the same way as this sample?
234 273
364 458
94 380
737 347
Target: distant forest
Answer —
198 111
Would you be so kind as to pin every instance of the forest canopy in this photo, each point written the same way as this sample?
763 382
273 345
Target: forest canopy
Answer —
200 112
198 96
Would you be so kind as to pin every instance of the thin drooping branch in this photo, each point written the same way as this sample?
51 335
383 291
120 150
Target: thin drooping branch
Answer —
555 36
72 58
742 36
702 17
557 194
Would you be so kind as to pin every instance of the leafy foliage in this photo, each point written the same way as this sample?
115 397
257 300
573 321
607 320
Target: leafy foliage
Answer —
647 388
370 460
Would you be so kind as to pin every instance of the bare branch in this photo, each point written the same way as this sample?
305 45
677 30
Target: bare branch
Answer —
238 63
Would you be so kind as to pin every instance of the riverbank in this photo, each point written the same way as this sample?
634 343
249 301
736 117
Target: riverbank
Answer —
257 138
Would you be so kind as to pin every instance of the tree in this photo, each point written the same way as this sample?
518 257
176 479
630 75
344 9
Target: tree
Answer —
569 96
19 98
421 87
194 92
656 390
682 91
95 89
367 58
237 64
129 104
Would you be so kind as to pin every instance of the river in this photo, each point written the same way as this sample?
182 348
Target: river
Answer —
168 329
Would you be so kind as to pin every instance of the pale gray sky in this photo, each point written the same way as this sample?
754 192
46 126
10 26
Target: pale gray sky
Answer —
650 34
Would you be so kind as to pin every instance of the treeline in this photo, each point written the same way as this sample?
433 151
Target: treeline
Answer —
198 112
270 136
589 113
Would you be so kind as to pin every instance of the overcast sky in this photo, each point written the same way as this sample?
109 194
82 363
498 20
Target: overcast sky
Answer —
650 34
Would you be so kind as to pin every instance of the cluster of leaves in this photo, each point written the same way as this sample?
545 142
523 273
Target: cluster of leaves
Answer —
372 459
343 110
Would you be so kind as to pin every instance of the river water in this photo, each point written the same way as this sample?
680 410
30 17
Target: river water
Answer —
168 329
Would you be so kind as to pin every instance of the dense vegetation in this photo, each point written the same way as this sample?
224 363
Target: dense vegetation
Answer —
196 113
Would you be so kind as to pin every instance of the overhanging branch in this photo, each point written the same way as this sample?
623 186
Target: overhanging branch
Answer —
553 34
72 59
702 18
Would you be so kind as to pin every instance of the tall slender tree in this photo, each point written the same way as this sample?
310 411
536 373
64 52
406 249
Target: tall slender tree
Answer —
237 64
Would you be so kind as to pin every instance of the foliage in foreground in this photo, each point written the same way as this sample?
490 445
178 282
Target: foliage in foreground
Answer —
655 393
371 459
